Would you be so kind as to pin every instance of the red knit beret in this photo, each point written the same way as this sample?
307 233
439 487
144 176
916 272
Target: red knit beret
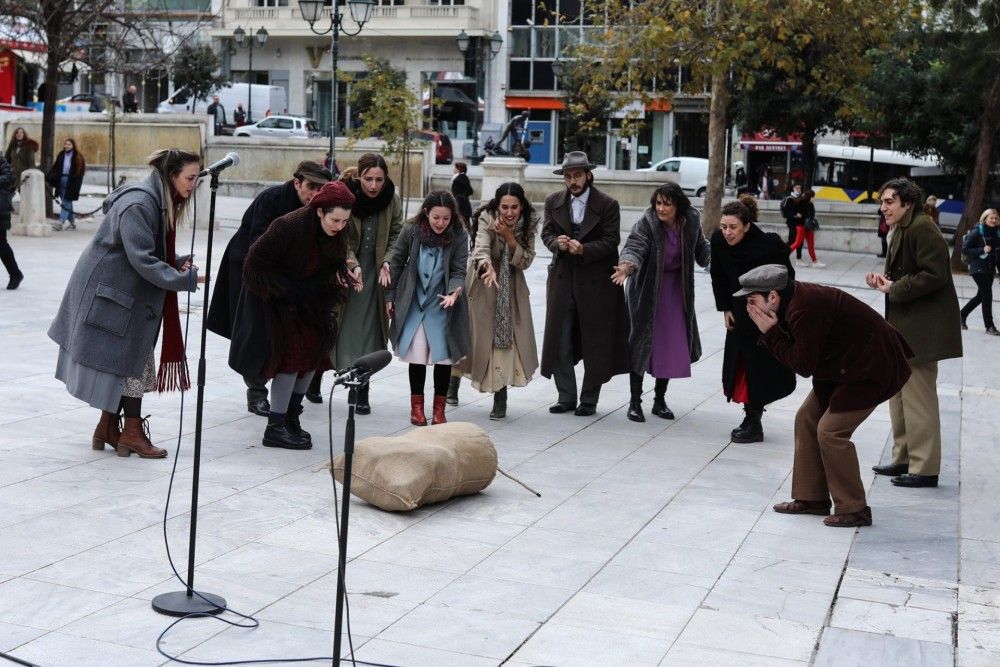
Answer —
333 194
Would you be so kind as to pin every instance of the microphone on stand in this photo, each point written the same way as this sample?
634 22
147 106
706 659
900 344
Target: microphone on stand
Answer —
365 366
231 160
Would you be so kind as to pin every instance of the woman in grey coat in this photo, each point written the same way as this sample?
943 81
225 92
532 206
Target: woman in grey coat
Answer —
426 299
123 287
658 259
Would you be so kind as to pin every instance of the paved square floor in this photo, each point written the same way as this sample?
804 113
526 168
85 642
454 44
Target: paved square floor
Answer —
652 544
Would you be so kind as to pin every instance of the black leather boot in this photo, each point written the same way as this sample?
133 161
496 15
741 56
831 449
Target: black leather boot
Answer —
314 394
278 434
751 430
635 410
363 407
452 397
499 404
660 408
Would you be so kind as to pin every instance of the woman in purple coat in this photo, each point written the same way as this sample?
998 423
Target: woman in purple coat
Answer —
658 260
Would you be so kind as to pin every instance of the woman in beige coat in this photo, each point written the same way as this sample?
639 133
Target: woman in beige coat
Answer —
503 338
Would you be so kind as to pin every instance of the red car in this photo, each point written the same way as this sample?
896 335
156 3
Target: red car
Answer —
442 145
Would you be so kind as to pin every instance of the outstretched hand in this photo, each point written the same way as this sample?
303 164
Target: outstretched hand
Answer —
448 300
621 272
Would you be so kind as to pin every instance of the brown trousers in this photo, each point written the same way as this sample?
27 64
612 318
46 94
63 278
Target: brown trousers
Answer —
826 463
916 421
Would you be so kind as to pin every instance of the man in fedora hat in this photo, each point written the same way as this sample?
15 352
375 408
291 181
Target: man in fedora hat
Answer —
856 361
585 316
267 207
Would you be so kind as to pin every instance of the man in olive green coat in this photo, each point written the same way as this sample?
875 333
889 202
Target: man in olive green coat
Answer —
920 302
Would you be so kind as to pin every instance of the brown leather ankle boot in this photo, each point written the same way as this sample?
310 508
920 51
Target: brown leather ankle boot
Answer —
135 438
107 432
438 417
417 416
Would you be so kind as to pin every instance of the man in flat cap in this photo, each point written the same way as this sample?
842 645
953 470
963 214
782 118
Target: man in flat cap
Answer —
856 361
267 207
585 316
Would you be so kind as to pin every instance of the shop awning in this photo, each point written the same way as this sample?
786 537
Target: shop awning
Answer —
545 103
31 57
767 141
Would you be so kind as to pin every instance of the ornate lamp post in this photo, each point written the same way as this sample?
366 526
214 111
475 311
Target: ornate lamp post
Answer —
361 12
240 37
482 51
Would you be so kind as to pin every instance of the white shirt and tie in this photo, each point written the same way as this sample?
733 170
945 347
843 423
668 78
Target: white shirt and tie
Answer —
578 208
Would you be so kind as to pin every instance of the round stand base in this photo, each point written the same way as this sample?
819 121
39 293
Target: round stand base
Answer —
179 603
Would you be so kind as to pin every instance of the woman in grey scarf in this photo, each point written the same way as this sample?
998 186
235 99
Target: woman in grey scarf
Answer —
503 337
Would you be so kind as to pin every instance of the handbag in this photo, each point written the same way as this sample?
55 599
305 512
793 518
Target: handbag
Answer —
811 224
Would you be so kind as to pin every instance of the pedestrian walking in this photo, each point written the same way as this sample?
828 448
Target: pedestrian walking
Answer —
218 114
240 115
585 314
750 374
294 276
66 178
805 229
426 300
792 215
658 260
20 153
503 352
980 248
130 100
920 302
376 219
813 330
121 293
7 184
268 206
883 233
461 187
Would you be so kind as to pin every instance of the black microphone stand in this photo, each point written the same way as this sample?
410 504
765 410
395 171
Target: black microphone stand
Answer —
353 381
188 601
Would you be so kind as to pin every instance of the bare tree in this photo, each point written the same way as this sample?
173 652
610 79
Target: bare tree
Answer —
104 34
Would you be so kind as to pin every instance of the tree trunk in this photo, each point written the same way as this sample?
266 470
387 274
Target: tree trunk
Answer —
808 156
989 126
717 123
49 116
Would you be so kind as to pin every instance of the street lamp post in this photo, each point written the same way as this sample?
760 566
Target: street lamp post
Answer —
482 50
361 12
240 37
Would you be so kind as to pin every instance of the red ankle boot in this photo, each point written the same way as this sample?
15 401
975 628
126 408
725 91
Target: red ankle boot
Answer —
417 416
438 417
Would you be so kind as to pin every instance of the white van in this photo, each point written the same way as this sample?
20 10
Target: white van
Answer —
265 99
691 173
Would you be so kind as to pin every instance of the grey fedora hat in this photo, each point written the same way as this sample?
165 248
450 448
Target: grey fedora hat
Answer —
575 160
763 279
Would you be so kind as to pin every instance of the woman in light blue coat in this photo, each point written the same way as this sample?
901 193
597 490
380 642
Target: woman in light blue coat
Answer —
124 287
426 301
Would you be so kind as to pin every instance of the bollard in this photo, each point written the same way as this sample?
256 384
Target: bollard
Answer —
31 219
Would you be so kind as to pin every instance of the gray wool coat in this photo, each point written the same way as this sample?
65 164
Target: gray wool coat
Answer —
403 288
110 314
644 249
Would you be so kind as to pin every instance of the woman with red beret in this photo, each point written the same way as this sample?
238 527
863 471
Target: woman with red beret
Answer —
294 276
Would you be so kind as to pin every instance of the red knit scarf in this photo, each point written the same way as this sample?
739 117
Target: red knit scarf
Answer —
173 372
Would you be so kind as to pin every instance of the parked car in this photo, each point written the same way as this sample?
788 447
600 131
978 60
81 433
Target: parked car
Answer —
691 173
442 145
280 126
82 102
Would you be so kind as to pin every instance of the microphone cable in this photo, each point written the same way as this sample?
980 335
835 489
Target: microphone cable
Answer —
246 620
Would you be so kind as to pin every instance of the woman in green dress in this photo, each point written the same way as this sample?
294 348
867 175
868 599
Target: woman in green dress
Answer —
376 219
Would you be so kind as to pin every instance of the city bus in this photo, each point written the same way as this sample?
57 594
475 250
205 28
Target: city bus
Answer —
842 174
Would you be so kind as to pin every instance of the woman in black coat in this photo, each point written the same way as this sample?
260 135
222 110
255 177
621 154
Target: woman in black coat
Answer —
461 188
980 248
7 186
294 277
66 178
658 259
750 375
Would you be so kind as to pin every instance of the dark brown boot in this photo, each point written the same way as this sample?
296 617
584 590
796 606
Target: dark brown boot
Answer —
107 432
438 417
417 416
135 438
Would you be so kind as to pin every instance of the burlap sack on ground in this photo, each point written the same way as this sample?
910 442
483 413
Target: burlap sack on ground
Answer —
425 465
